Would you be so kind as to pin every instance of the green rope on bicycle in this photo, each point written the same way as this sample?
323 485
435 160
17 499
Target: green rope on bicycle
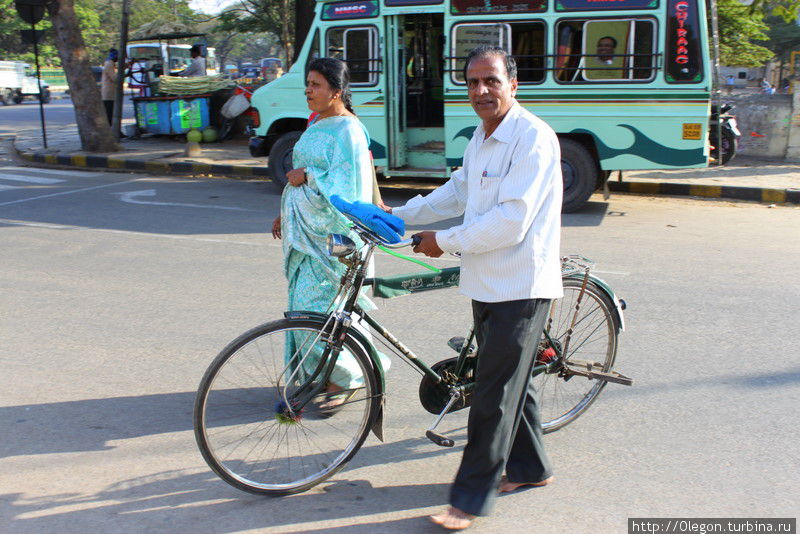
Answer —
409 258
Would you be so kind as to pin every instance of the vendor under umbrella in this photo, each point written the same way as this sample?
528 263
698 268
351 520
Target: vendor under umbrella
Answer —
198 65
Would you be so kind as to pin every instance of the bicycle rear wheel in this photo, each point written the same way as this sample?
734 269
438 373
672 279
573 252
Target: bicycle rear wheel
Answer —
245 429
563 398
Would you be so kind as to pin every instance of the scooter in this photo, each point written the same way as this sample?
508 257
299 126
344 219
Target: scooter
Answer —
237 105
724 133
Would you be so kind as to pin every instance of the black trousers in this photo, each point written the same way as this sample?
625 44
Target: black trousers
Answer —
109 104
504 429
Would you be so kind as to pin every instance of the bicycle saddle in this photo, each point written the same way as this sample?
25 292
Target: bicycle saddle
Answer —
387 227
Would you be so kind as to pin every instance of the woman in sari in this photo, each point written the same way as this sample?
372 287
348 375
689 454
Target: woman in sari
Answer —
331 158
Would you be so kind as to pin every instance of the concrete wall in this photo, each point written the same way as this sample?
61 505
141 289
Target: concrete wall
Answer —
765 123
793 148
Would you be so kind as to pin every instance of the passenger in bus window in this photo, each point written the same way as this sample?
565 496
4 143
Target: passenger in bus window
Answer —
599 65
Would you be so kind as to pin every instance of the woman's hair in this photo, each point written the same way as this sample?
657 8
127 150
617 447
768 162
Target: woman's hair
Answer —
338 76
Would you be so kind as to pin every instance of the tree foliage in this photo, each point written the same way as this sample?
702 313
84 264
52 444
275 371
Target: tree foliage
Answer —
739 27
784 37
264 16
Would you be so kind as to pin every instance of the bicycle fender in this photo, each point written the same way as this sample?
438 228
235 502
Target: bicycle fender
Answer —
369 350
605 288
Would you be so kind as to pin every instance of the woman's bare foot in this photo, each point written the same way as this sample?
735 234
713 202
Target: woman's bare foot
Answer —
334 400
506 486
453 519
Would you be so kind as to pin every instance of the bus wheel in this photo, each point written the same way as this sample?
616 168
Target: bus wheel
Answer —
580 175
280 157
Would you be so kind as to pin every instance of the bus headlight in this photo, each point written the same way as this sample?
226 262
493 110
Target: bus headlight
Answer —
340 245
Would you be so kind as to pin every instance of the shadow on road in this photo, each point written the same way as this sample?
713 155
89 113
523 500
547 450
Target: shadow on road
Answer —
162 501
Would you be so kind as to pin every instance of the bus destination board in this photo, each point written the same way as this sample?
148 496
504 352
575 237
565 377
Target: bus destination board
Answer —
350 10
485 7
603 5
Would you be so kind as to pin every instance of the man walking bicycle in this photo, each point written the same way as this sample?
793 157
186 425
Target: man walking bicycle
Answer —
509 191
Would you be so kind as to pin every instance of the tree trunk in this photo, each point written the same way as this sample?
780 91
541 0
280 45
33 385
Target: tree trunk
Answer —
303 18
93 127
286 35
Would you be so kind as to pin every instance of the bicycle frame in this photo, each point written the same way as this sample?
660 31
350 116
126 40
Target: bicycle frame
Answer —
338 325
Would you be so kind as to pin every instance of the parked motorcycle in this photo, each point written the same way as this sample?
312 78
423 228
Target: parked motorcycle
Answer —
238 105
723 133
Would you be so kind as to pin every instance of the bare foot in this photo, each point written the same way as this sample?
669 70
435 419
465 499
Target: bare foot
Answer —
334 399
453 519
506 486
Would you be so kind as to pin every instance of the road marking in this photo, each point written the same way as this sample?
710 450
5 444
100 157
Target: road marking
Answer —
131 198
30 179
60 172
7 187
67 192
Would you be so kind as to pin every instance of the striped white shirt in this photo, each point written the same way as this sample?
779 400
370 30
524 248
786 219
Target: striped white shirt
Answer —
509 191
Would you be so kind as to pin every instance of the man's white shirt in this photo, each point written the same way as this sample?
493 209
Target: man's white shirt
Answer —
509 191
196 68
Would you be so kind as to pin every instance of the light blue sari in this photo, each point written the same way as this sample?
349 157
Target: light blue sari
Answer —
335 154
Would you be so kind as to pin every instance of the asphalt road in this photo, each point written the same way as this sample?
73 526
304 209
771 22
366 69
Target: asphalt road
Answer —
118 290
59 112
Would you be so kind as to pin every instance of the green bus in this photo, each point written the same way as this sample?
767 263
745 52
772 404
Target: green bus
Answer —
626 84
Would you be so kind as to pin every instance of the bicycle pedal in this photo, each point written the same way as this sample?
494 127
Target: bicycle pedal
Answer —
457 343
439 439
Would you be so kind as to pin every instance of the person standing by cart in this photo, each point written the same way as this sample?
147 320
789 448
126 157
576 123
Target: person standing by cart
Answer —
198 65
108 82
509 191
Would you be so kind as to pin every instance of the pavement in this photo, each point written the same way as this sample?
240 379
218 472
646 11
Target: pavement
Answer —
744 178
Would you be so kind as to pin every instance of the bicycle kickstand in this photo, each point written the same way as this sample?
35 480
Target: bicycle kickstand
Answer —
439 439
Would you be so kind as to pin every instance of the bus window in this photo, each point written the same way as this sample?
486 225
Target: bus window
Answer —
472 35
357 46
528 49
605 50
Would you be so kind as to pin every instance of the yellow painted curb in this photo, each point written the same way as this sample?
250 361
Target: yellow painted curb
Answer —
713 191
203 168
246 171
115 163
51 159
79 161
773 195
156 166
642 187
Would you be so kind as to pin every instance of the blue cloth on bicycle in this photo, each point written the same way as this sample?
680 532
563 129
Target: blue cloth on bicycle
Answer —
389 227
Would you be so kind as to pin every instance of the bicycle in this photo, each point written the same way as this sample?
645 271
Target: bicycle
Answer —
267 422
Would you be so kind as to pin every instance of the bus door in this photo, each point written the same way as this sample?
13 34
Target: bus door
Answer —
417 108
358 44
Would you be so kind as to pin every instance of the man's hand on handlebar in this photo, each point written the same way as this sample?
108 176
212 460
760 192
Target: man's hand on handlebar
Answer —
425 243
384 207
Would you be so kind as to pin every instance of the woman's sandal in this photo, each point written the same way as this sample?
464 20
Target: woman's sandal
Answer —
333 401
504 480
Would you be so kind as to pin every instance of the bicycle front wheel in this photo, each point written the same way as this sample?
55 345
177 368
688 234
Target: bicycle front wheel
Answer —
564 397
247 422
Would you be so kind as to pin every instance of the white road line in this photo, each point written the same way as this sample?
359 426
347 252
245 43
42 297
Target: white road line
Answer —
131 198
59 172
7 187
29 179
67 192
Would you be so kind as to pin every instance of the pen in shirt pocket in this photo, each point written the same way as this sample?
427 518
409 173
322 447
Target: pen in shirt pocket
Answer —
484 174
